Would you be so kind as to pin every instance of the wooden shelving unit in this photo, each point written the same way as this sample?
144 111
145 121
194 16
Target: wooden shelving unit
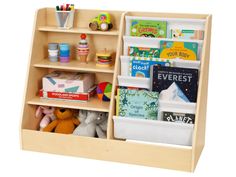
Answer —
157 155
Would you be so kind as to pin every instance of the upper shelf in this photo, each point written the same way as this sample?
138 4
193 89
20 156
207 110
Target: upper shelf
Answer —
74 65
112 32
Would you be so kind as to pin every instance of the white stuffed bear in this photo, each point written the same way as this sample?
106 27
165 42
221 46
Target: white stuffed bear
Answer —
92 124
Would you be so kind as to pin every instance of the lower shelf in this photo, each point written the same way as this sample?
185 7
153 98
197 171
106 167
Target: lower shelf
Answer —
94 104
178 158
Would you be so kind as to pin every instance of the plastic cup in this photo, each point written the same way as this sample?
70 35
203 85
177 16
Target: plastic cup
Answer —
64 59
53 58
52 46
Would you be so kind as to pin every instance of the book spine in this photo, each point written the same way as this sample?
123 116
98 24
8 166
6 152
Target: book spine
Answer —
66 96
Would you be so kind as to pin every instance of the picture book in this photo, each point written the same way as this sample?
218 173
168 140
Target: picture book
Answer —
144 52
140 104
178 117
187 34
148 28
175 84
176 49
141 67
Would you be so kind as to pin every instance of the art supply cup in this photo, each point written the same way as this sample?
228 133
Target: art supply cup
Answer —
65 19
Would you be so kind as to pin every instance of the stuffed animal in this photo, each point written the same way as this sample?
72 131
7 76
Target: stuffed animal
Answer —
46 114
92 124
87 125
65 122
101 125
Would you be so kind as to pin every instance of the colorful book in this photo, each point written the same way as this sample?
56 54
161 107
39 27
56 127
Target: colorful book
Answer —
148 28
187 34
178 117
144 52
140 104
68 96
141 67
181 50
175 84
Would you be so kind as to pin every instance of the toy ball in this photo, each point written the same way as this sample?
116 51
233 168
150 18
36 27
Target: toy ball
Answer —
104 91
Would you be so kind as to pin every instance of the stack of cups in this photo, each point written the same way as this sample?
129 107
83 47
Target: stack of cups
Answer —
53 52
64 52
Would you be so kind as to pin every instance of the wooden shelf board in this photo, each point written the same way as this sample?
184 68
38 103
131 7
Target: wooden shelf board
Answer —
74 65
94 104
112 32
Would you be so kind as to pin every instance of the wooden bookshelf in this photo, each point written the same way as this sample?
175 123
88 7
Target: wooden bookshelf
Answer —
156 155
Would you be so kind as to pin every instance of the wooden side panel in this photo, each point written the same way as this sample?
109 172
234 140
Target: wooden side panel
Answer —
199 131
110 130
33 83
112 150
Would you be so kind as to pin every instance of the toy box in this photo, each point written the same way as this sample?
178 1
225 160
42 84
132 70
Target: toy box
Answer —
58 81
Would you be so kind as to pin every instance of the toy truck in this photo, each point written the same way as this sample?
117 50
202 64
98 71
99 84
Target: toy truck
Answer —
101 22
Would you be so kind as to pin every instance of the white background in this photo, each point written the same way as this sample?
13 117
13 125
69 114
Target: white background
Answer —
218 157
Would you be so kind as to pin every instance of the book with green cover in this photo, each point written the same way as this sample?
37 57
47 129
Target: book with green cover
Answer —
148 28
140 104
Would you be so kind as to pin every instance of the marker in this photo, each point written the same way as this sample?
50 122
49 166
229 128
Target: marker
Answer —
67 7
57 8
72 6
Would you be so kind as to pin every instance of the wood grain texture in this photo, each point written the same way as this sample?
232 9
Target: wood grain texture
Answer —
112 150
200 123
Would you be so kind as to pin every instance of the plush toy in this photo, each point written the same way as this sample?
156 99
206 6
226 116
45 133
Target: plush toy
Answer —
92 124
101 125
65 122
46 114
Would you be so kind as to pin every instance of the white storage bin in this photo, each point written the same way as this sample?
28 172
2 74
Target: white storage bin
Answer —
154 43
177 23
125 64
129 81
153 131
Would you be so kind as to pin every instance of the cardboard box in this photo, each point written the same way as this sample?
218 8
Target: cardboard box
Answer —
69 82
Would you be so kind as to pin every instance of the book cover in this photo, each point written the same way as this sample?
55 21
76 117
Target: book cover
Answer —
175 84
141 67
187 34
178 117
144 52
140 104
176 49
148 28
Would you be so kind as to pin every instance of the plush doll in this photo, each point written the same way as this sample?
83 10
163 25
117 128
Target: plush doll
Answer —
92 124
65 122
87 125
46 114
101 125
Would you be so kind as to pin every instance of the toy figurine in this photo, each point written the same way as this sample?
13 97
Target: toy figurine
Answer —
101 22
104 58
83 49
